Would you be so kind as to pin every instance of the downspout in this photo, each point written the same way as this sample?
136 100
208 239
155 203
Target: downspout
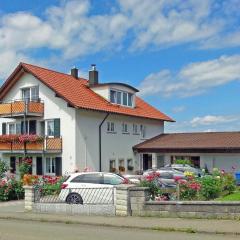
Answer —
100 141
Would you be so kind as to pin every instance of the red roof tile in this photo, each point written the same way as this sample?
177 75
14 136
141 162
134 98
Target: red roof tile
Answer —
77 93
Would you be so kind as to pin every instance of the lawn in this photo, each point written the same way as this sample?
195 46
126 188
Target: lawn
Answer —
231 197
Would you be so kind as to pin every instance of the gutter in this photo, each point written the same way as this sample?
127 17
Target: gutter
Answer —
100 141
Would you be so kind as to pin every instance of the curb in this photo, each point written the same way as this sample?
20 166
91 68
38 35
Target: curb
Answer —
153 228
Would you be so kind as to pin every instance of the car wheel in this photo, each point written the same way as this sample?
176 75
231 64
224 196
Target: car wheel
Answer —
74 198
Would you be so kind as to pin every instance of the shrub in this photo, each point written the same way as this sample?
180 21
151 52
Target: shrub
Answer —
52 185
11 189
25 167
3 168
189 190
228 183
210 187
183 161
151 181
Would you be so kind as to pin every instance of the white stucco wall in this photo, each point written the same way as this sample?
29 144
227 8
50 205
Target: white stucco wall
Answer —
80 131
115 146
53 108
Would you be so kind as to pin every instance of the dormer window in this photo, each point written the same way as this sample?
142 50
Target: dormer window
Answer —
121 98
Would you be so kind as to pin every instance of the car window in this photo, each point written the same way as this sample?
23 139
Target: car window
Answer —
89 178
112 179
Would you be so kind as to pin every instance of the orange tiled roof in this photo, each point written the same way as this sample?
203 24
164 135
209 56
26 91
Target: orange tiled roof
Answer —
77 93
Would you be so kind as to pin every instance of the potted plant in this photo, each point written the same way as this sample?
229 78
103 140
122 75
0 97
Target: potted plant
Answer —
121 169
113 170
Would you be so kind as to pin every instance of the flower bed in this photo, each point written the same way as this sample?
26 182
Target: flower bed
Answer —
48 185
195 188
24 138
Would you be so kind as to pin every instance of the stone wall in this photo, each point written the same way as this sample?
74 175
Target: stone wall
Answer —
134 201
191 209
73 209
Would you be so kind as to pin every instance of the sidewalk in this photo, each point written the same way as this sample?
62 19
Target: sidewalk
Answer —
151 223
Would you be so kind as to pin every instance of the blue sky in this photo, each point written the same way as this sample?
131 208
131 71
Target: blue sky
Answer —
184 56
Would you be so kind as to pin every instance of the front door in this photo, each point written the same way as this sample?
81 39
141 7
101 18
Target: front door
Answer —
147 161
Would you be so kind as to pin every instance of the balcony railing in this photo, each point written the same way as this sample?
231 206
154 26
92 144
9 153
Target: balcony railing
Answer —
46 145
19 108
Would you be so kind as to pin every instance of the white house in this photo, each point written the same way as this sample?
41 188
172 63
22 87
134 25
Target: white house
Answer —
83 123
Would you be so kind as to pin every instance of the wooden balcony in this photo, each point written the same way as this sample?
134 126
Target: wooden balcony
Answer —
19 108
48 145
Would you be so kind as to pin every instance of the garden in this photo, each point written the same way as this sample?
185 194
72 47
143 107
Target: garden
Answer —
218 185
11 187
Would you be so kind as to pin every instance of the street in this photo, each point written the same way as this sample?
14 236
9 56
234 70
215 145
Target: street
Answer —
33 230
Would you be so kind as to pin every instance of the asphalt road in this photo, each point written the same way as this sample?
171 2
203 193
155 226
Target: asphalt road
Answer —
30 230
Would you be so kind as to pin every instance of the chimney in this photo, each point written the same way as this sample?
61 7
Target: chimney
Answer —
74 72
93 75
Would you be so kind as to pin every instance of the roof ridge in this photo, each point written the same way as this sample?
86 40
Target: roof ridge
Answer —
51 70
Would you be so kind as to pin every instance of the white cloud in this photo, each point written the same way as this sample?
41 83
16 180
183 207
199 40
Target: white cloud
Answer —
212 120
164 23
73 31
208 123
193 79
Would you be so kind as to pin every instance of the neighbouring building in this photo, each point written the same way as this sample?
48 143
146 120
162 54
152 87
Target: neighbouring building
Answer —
73 123
205 150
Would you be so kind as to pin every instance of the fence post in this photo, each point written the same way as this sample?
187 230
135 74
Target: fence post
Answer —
122 200
138 197
28 197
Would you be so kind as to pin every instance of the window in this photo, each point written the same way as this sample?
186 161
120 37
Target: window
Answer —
125 99
18 128
112 165
130 164
31 93
124 128
50 127
122 98
121 165
32 126
135 129
53 127
143 131
130 99
113 96
119 97
112 179
11 128
26 94
110 126
89 178
34 93
50 165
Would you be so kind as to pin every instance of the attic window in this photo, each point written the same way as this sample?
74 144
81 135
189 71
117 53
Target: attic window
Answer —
121 98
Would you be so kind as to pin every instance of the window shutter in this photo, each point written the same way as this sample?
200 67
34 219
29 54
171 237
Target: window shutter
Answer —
57 127
58 166
4 128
